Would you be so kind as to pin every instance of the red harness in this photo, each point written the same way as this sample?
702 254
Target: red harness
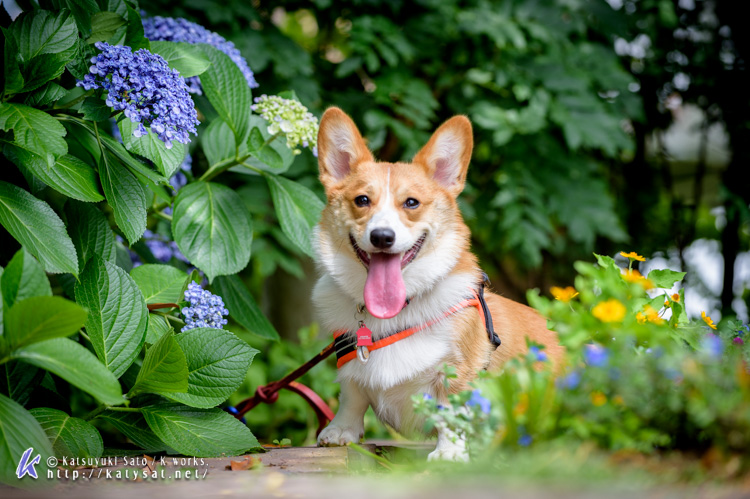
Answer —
346 344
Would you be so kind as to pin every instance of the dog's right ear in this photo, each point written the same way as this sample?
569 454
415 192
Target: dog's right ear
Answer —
340 147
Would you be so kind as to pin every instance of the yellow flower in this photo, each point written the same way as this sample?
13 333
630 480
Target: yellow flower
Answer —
640 318
617 399
666 303
676 297
522 405
708 320
652 315
609 311
563 294
598 398
631 275
633 255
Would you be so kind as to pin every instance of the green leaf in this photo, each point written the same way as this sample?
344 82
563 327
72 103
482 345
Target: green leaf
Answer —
164 368
18 380
212 228
186 58
199 432
95 109
82 10
298 209
134 34
217 362
157 327
133 425
125 195
70 437
270 157
242 306
117 313
267 157
19 431
38 228
227 90
256 140
34 130
23 278
43 32
42 318
167 160
665 278
159 283
104 25
11 70
76 365
48 94
68 175
43 68
218 142
90 232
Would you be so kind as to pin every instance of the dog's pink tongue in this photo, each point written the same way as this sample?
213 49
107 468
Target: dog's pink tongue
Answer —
385 292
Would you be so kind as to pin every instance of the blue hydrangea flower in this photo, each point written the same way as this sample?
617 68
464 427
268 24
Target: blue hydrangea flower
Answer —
204 309
538 354
146 90
525 440
712 345
478 400
162 249
570 381
169 29
179 179
596 355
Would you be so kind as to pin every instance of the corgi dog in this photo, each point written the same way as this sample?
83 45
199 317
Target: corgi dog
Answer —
400 286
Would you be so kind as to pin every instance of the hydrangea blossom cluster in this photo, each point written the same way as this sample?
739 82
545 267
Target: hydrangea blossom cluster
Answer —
145 89
291 118
169 29
162 249
204 309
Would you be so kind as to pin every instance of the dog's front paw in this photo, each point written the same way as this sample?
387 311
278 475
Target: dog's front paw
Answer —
454 453
333 435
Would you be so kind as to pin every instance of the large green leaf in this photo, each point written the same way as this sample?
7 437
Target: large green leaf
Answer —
82 10
157 327
38 228
104 25
117 313
212 228
45 67
199 432
274 157
43 32
76 365
18 380
90 233
186 58
665 278
125 195
242 306
34 130
45 95
133 425
68 175
167 160
298 209
164 368
19 431
218 142
159 283
70 437
23 278
41 318
217 363
228 92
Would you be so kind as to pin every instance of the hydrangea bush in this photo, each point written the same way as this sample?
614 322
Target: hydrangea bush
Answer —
117 206
638 374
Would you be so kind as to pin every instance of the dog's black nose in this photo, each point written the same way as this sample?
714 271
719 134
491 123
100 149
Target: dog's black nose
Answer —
382 238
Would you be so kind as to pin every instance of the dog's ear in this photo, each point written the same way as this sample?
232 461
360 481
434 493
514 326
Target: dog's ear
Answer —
340 147
447 154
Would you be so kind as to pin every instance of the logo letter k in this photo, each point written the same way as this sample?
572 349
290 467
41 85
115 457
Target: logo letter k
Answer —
25 467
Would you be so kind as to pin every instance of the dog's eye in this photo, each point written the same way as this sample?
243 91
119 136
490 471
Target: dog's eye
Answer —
411 203
362 201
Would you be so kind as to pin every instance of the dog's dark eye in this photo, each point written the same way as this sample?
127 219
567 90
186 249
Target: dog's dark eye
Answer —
362 201
411 203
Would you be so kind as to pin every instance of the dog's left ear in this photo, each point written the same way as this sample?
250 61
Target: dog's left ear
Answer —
447 154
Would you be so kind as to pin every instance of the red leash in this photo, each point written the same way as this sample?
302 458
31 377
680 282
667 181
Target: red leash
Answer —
270 393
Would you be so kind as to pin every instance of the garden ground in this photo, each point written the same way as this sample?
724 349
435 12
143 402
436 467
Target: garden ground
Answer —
312 472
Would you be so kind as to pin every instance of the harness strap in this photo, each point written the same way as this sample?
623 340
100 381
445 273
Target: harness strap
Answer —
346 344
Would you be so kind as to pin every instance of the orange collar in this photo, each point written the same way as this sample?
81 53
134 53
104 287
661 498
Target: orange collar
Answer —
345 341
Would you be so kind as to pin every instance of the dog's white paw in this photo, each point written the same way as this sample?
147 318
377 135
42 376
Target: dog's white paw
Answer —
453 453
333 435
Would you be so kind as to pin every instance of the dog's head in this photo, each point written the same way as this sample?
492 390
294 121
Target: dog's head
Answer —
391 230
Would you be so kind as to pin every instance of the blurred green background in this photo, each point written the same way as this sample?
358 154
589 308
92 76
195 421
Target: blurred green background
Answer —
599 126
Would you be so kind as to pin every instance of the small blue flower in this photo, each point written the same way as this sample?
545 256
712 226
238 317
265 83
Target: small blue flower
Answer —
180 30
596 355
426 396
478 400
145 89
539 355
179 179
162 249
205 309
570 381
712 345
525 440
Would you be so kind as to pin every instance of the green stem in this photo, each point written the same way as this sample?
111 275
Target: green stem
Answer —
380 459
95 412
225 165
170 317
162 215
